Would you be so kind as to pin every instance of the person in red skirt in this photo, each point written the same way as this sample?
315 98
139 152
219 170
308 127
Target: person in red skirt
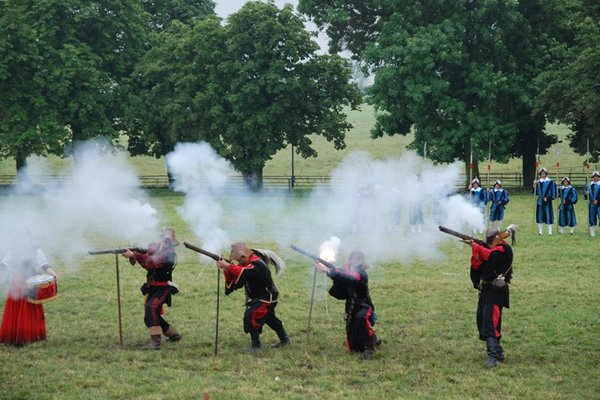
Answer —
23 322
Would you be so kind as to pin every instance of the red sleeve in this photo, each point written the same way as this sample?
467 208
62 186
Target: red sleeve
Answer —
150 260
480 255
233 274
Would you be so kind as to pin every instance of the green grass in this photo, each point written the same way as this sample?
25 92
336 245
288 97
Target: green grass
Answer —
426 320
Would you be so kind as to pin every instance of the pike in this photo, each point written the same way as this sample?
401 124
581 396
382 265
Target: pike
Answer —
116 252
216 258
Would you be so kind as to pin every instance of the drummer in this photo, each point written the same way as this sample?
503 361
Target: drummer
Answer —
23 322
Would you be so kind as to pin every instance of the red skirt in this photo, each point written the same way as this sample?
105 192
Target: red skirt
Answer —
22 321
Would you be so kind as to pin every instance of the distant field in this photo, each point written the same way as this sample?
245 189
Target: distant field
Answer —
357 139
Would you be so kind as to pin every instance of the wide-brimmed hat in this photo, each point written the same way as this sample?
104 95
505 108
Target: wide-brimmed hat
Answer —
168 235
238 250
491 233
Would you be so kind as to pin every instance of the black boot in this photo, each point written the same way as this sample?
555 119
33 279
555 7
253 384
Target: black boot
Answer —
500 352
492 352
284 340
369 348
255 345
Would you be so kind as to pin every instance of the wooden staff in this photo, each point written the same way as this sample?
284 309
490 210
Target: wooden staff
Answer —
117 252
310 308
217 318
559 199
119 300
487 185
537 164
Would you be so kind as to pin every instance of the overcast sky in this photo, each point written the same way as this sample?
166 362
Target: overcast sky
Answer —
225 7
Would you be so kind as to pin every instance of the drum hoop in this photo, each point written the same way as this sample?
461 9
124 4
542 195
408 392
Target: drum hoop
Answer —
42 301
48 279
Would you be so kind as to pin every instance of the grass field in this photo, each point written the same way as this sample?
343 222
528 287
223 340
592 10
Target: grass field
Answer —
426 320
425 308
357 138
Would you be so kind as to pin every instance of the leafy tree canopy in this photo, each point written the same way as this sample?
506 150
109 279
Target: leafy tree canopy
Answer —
249 88
571 83
457 74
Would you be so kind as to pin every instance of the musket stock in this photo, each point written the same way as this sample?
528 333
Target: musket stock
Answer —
205 252
313 257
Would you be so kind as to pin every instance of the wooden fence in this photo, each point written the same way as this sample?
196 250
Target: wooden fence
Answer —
509 180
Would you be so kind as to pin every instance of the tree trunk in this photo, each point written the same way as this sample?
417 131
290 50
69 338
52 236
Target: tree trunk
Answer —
253 180
21 164
470 175
528 169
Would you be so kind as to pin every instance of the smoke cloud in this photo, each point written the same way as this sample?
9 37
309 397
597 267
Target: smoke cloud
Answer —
99 203
389 209
201 174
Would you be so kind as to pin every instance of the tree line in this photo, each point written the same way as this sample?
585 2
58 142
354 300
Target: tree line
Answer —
460 75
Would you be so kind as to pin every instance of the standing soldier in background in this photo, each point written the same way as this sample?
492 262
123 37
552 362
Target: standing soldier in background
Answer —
593 194
545 190
566 210
498 198
478 198
488 263
159 260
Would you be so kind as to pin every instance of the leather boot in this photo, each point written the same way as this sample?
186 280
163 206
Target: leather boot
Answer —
369 348
172 334
492 352
155 337
255 345
284 341
500 352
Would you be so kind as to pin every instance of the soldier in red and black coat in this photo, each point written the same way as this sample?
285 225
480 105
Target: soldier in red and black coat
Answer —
253 274
159 260
351 283
488 263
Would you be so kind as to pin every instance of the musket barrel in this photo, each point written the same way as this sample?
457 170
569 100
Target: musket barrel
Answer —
205 252
313 257
115 251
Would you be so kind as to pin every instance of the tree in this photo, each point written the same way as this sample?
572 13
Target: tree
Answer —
571 83
177 94
248 88
164 12
67 63
28 122
454 73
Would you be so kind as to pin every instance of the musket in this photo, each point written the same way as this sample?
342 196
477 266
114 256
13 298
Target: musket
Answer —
207 253
313 257
117 251
510 231
461 235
